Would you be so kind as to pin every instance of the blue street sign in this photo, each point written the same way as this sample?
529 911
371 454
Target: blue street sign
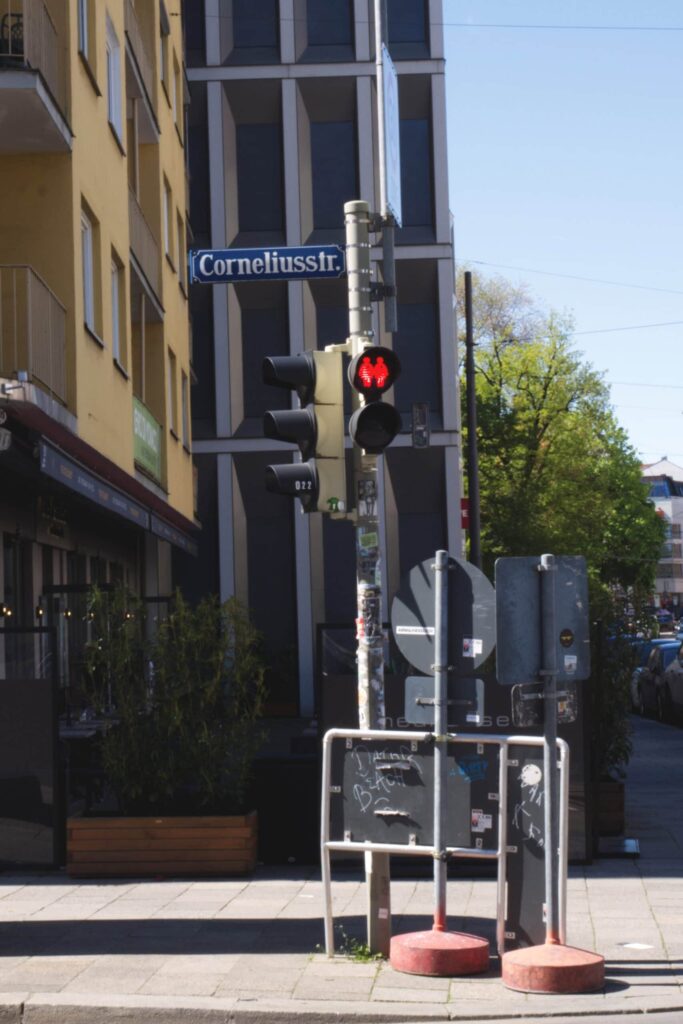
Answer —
278 263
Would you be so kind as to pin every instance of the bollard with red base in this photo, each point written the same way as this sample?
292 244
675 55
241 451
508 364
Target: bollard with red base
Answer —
552 967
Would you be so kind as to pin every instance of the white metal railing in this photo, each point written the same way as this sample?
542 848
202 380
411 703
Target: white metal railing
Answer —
32 330
499 853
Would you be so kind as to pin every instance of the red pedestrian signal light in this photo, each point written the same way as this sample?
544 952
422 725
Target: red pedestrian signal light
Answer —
373 371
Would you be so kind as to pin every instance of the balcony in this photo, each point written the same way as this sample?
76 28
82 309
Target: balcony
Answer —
33 96
32 331
140 74
143 245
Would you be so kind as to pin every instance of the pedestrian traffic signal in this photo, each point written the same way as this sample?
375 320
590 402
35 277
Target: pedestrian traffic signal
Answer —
376 424
317 428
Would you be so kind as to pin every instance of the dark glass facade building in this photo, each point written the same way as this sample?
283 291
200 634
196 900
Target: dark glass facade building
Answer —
282 130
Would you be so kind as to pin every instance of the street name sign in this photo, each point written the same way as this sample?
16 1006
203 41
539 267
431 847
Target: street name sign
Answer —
275 263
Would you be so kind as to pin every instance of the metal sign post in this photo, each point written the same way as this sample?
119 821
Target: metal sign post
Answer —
369 634
559 651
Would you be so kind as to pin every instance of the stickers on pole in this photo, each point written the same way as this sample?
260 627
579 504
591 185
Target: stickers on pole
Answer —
471 618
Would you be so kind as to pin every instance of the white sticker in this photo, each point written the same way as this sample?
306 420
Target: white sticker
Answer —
481 821
531 775
471 647
476 719
415 630
383 913
570 662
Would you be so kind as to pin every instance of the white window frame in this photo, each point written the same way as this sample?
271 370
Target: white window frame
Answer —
83 28
172 381
116 310
185 409
181 247
87 250
114 80
168 208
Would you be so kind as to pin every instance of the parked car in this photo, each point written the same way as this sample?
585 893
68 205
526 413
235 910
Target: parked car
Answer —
651 695
672 685
665 620
643 649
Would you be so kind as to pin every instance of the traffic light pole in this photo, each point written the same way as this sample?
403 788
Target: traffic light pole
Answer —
369 634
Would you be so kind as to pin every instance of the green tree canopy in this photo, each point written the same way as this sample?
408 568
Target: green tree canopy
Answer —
557 472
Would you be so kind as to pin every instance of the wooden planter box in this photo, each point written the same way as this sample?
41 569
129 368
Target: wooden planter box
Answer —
135 847
610 809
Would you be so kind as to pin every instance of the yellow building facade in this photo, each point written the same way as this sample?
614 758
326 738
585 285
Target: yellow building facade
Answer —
96 476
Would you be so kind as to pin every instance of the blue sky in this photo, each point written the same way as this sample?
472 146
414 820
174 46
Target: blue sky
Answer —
565 154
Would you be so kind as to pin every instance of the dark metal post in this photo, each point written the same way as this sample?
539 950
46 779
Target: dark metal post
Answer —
440 739
551 808
472 456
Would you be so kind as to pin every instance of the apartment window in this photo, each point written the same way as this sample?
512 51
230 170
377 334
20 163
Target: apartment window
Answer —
168 226
180 239
117 318
329 24
408 28
334 171
172 393
87 250
324 30
114 81
164 33
83 41
260 177
249 31
176 105
185 409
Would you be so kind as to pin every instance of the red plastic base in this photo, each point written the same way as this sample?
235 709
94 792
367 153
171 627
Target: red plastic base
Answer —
439 954
553 968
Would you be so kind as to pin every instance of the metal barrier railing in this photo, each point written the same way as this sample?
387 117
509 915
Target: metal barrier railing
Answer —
499 853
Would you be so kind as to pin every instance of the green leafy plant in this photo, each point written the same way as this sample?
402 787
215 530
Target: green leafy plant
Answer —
185 696
353 948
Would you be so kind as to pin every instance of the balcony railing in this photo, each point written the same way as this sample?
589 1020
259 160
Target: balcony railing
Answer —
137 43
32 330
143 244
28 37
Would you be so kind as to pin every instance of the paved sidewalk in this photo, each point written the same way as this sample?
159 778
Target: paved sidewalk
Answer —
248 950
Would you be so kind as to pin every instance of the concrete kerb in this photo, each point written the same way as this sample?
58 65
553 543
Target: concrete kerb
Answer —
55 1008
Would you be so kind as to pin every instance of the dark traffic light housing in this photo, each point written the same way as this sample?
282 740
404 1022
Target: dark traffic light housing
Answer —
317 428
371 373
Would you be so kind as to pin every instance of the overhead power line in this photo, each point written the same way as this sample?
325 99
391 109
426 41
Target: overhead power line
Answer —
573 277
631 327
565 28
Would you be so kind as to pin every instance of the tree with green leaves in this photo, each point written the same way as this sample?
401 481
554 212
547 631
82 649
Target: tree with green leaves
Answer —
558 474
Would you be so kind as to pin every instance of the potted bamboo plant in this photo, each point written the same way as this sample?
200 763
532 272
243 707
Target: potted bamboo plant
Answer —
184 698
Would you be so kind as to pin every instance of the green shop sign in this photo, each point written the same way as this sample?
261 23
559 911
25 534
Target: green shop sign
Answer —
146 440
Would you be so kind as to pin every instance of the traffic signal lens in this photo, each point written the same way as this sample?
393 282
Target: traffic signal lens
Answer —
373 374
374 426
373 371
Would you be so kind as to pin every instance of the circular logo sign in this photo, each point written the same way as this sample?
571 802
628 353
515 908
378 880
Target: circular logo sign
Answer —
566 638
